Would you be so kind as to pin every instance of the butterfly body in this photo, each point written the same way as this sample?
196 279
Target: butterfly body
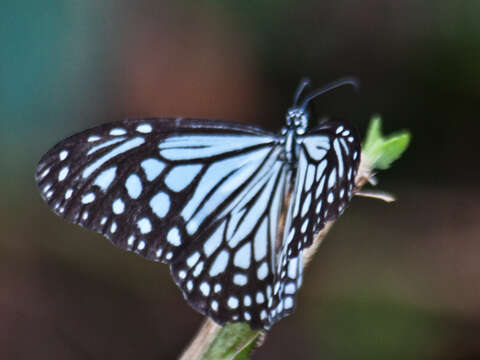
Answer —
207 197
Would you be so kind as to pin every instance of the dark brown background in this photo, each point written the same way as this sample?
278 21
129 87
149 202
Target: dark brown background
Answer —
397 281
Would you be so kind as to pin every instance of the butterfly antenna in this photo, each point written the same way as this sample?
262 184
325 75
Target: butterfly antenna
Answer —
344 81
303 84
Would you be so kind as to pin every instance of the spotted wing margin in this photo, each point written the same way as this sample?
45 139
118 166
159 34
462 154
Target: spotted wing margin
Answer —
140 184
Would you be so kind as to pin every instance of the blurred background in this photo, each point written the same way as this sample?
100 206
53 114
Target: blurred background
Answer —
397 281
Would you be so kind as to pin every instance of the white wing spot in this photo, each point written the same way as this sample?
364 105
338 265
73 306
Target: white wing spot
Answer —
214 305
182 274
330 198
247 316
88 198
118 206
247 300
306 204
339 129
131 240
189 285
220 263
205 288
269 291
290 288
144 128
240 279
45 173
68 194
85 215
288 303
232 302
105 178
350 139
242 257
144 225
160 204
192 259
262 271
93 138
346 133
180 176
173 237
141 245
332 179
304 226
192 226
263 315
113 227
63 155
291 234
198 269
292 268
63 174
159 253
217 288
134 186
169 255
152 168
260 298
117 132
103 221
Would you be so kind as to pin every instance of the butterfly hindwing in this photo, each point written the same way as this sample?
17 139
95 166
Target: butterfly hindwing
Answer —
231 269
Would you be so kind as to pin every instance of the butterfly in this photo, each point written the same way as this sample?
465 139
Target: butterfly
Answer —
229 206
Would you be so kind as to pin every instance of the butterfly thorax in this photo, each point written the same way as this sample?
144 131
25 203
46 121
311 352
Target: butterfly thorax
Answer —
296 125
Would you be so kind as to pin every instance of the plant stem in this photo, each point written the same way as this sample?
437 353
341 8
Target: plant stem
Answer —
202 340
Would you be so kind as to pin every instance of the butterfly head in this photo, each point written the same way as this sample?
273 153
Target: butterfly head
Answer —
297 115
297 120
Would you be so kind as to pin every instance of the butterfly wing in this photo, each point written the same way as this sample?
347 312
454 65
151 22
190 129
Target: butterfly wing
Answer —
327 165
204 196
329 156
229 276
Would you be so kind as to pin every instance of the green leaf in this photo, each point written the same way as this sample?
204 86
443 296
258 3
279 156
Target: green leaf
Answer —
233 342
381 151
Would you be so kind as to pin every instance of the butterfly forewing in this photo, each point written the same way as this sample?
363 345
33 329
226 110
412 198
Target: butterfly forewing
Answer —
138 184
